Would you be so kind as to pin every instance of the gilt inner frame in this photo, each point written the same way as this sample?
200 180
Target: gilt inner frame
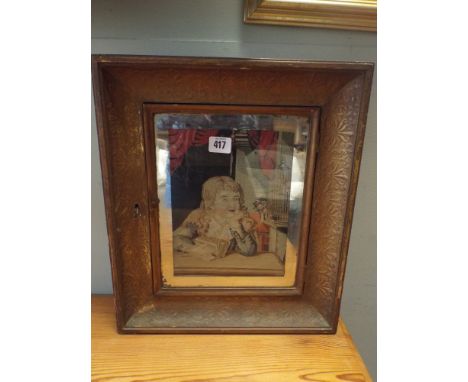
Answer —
162 252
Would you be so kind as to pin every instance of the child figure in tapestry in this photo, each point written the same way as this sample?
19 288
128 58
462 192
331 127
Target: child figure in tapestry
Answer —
221 225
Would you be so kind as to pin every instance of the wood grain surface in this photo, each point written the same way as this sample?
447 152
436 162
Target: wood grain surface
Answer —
218 357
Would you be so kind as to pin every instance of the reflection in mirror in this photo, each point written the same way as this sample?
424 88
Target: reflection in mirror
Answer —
230 189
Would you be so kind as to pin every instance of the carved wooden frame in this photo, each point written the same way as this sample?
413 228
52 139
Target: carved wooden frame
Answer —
123 84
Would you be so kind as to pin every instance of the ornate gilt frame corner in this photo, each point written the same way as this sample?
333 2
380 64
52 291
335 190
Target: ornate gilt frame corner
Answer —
337 14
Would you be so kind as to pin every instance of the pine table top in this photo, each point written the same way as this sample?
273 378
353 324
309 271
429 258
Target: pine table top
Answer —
219 357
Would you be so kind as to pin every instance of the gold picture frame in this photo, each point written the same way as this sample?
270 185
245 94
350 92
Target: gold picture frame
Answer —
333 14
132 93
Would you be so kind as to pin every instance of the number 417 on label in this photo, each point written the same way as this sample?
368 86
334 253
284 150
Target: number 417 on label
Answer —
219 145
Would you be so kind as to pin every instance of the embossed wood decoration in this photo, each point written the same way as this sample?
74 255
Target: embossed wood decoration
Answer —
123 85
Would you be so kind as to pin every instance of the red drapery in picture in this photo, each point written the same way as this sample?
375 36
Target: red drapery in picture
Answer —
181 140
265 142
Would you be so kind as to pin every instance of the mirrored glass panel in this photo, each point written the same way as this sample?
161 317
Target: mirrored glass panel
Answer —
230 190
